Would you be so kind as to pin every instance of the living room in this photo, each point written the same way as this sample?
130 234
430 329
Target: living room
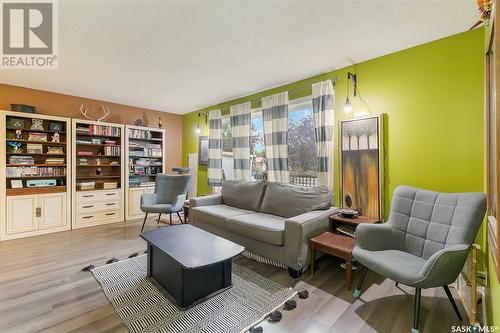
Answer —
249 166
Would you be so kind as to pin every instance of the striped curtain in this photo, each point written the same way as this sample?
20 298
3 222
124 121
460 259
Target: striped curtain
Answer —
214 170
241 122
275 116
323 103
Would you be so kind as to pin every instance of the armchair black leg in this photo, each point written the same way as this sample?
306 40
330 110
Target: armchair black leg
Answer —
170 218
144 222
396 284
357 291
158 222
179 215
450 297
416 310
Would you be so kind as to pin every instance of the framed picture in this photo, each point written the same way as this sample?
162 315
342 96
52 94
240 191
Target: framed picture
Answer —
361 165
203 150
16 183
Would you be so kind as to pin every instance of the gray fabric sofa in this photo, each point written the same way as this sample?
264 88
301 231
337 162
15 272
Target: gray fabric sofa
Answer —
271 220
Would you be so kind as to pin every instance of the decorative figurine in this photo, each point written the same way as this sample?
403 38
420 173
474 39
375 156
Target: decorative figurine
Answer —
98 171
139 122
19 134
37 124
55 137
97 161
160 122
16 146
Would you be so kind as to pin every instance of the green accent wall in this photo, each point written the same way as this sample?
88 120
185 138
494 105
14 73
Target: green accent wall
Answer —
432 98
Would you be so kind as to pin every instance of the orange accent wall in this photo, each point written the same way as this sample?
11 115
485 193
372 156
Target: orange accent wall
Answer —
55 104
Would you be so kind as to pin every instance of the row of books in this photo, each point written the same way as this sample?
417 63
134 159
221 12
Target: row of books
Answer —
36 148
98 130
137 183
35 171
147 152
112 151
19 159
54 160
139 134
94 141
145 170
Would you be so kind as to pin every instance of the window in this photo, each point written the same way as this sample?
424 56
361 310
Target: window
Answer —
301 145
257 148
302 156
227 149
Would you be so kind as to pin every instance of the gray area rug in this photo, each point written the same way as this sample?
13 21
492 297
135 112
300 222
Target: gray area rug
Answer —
144 308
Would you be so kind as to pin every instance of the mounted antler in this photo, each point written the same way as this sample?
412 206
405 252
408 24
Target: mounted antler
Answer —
84 110
104 109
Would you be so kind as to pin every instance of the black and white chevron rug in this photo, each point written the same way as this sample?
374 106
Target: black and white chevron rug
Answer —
144 308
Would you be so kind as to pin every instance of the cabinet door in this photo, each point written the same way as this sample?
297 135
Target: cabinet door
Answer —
21 213
53 210
134 204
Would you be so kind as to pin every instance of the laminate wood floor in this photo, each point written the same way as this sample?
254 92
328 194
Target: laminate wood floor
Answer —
43 290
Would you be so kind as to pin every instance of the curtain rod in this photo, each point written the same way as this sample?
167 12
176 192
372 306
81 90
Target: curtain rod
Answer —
259 100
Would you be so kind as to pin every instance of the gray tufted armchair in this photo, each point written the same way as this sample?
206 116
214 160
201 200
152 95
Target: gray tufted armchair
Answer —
169 196
425 242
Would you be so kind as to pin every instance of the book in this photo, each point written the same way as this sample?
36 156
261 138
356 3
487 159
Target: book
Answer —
84 153
34 148
346 230
109 185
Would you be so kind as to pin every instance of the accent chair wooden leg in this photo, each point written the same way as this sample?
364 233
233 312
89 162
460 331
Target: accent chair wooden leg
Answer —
144 222
357 291
450 297
180 218
416 310
170 218
159 217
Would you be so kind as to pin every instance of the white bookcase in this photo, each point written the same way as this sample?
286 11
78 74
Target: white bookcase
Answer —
98 173
34 174
144 158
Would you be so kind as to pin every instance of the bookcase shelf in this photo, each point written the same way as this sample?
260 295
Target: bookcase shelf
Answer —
145 158
95 146
34 183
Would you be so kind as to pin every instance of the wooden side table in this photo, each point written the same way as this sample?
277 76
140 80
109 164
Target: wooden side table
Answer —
338 244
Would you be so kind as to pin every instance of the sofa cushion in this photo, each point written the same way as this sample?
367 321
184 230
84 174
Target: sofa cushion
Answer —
216 214
243 194
290 200
262 227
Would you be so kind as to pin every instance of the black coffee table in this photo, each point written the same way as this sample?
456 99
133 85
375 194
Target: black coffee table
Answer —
189 263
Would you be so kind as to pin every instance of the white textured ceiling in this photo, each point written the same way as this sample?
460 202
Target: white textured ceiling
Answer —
179 56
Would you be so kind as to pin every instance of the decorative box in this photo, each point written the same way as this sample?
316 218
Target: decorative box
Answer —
15 123
56 127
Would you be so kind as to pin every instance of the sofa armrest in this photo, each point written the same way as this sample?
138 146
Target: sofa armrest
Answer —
374 237
299 230
208 200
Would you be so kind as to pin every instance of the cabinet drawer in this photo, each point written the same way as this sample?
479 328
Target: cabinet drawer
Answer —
98 196
92 217
83 207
